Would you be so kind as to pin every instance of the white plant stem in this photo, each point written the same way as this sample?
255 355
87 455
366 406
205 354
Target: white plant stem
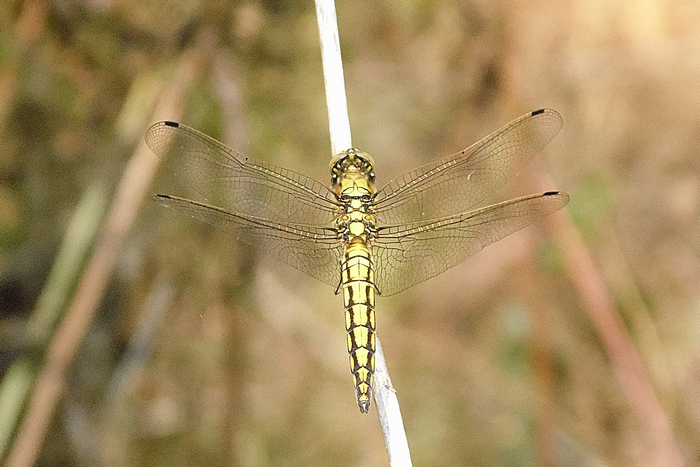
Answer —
337 103
387 404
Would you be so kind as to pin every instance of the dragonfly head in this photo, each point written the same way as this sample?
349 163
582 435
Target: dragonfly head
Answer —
351 164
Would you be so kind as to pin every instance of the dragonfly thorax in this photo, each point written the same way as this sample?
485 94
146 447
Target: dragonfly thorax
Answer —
355 223
352 174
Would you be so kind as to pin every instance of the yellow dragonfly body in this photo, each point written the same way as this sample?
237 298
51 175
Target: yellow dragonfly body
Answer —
360 240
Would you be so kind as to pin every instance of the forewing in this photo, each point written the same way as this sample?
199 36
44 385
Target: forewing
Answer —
229 180
310 249
405 255
458 183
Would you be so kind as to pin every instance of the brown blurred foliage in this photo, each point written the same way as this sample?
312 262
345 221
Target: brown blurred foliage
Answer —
205 352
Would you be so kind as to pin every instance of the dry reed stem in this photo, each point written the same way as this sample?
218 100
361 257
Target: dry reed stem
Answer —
130 194
626 361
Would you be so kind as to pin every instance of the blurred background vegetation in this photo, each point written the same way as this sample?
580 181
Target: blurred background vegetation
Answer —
203 351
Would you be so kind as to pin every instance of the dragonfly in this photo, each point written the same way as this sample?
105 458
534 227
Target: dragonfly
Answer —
361 240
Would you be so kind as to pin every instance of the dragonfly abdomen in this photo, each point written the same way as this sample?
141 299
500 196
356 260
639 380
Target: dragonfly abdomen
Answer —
357 273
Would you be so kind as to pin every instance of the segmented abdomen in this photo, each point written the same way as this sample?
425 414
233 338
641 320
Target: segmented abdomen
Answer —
357 275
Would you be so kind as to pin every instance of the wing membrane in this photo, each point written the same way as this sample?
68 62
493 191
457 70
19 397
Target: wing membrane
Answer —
313 250
407 254
231 181
290 215
458 183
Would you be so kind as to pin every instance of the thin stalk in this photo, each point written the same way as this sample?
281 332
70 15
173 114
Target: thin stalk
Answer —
51 382
15 388
339 125
336 101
